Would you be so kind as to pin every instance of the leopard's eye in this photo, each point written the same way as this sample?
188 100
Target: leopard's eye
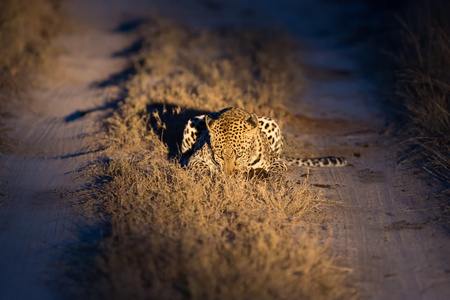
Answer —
218 156
239 154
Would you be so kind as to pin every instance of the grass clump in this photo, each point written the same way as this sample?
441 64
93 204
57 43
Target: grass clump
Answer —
176 238
205 71
424 81
26 29
174 235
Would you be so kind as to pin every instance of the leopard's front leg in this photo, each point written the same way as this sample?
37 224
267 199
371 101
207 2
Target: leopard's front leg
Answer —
202 161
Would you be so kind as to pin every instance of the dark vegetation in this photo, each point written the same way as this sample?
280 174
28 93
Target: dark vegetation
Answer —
424 82
417 48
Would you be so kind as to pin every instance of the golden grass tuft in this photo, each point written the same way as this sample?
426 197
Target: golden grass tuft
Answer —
175 235
204 71
26 29
177 238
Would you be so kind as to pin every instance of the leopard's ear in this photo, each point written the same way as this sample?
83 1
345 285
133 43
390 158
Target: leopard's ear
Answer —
209 122
253 121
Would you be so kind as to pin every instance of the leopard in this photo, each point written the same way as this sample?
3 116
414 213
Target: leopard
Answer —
235 141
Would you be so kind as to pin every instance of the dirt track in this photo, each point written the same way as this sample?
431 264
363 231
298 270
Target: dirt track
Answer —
36 225
381 217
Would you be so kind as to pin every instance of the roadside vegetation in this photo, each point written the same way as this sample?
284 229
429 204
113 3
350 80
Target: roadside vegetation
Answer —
26 29
423 84
424 81
173 235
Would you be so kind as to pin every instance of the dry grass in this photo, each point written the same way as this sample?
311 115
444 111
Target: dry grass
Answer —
174 235
425 81
26 29
205 71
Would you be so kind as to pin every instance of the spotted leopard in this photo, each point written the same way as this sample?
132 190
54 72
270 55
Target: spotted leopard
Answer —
234 141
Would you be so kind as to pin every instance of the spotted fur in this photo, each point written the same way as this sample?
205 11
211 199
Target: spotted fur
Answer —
234 141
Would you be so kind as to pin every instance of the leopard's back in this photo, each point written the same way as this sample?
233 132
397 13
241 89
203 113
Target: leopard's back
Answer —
196 126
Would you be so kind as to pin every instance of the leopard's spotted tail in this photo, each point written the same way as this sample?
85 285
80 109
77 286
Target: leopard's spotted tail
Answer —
329 161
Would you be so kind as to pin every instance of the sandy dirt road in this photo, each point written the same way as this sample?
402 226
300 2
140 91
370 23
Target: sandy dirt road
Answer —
37 222
381 215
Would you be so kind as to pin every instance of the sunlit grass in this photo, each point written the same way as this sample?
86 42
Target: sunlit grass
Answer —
175 235
26 29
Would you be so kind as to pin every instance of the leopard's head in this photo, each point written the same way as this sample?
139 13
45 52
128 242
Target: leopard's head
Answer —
232 138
